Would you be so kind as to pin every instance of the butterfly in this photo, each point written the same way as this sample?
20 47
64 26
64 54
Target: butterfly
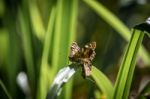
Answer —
83 56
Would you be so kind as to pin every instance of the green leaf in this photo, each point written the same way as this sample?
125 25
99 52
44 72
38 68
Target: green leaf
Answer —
27 46
65 29
102 82
36 20
126 71
114 22
60 33
44 69
109 18
64 34
65 74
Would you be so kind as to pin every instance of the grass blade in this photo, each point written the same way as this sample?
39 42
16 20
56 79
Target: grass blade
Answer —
102 82
27 46
125 75
65 29
44 69
114 22
65 74
5 90
36 20
110 18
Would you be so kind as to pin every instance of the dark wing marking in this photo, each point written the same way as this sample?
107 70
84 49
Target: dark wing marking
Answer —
89 50
74 52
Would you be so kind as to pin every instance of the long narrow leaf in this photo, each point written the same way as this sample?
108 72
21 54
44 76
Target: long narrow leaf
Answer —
27 45
65 29
114 22
102 82
66 73
110 18
36 20
124 78
5 90
44 69
72 30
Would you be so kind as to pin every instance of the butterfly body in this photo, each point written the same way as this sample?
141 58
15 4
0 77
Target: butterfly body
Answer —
83 56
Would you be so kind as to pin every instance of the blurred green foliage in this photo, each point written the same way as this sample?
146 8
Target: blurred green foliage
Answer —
35 37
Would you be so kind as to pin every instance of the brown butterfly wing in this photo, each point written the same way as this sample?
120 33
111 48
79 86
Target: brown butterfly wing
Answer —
91 45
89 50
74 52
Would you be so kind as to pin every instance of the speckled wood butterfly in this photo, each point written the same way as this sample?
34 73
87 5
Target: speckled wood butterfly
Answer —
83 56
